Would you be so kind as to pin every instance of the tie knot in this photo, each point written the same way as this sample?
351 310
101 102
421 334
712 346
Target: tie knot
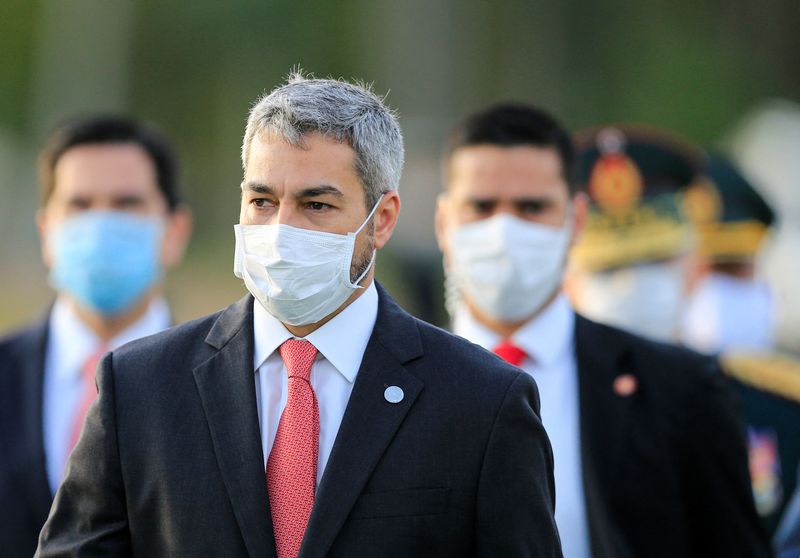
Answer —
510 352
298 355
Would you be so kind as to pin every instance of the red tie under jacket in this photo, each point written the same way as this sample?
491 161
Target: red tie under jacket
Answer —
88 397
292 463
510 352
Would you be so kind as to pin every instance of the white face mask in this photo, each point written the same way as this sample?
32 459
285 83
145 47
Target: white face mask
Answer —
645 299
725 312
507 267
298 275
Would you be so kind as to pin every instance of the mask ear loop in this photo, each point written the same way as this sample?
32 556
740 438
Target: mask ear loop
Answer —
569 213
371 263
371 213
374 252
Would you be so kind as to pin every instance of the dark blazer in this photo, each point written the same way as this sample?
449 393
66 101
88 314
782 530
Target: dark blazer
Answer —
664 468
170 460
24 489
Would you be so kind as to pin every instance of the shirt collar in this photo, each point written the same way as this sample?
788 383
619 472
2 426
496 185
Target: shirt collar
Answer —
342 340
74 342
544 338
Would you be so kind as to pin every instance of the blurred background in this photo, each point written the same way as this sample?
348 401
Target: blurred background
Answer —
194 68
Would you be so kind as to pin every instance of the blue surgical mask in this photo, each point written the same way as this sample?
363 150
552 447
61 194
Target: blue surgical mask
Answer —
106 259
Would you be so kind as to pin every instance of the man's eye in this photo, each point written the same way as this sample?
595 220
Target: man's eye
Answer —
79 203
483 207
317 206
129 203
531 208
260 202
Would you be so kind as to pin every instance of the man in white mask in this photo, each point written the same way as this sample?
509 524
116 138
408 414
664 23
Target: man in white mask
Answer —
732 312
766 142
649 454
314 417
729 308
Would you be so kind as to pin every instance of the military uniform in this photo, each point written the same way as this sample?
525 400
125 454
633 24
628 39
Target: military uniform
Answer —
734 317
769 389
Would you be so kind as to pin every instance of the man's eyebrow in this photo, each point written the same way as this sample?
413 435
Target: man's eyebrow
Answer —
532 199
257 187
483 199
321 190
128 197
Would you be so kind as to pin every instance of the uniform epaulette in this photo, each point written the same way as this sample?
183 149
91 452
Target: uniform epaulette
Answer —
775 373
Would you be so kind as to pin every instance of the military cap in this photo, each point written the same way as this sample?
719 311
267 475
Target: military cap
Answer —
731 217
636 177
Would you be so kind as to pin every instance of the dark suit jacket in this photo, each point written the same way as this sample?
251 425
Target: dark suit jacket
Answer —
24 490
170 461
665 468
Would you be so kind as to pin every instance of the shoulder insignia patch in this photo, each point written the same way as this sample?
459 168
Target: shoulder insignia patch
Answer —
765 469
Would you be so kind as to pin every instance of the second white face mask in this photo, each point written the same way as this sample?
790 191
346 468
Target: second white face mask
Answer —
300 276
645 299
507 267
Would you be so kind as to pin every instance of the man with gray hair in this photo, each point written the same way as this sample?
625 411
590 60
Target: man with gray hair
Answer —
314 417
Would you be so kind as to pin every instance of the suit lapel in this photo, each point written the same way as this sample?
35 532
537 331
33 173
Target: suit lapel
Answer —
227 389
32 391
604 414
369 423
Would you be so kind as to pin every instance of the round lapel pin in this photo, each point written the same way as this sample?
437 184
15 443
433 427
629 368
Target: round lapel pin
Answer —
625 385
393 394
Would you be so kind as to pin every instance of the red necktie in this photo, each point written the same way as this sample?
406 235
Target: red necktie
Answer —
89 395
292 463
510 352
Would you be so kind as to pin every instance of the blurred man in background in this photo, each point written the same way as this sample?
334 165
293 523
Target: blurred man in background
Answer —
636 267
766 143
649 453
729 308
111 223
731 312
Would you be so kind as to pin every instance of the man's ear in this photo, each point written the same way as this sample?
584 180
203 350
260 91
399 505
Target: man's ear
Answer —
177 232
697 266
571 285
441 220
385 218
41 227
580 216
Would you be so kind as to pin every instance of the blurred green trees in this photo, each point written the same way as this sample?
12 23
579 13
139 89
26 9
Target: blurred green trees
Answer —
194 68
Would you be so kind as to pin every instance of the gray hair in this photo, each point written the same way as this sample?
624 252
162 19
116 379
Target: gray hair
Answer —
346 112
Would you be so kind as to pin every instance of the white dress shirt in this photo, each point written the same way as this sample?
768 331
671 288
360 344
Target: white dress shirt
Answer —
70 344
340 343
548 341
